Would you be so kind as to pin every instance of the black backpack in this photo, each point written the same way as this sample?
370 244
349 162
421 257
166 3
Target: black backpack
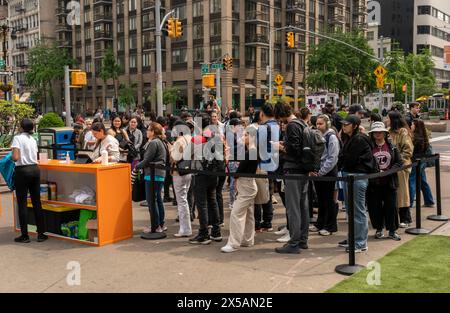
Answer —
313 146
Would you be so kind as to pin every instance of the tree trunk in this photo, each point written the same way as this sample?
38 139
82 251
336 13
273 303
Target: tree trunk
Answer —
44 95
52 98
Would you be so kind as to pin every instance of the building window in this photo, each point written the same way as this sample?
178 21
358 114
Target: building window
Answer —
133 42
370 36
421 48
120 44
132 5
87 50
216 51
437 52
235 6
424 9
264 57
215 6
132 22
198 54
423 29
312 7
197 9
133 61
250 54
120 26
197 31
89 66
146 59
235 53
215 29
236 28
179 56
180 12
87 16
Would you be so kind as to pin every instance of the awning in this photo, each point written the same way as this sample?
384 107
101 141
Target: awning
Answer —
249 86
264 87
289 87
25 97
300 88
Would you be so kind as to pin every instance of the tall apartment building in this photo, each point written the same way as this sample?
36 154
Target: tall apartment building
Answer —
32 21
418 25
212 28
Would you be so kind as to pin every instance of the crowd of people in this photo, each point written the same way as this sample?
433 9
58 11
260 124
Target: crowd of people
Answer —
271 140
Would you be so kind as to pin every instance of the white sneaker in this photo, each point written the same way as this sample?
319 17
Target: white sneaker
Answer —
285 238
313 229
147 230
282 232
159 230
324 232
404 225
274 201
228 249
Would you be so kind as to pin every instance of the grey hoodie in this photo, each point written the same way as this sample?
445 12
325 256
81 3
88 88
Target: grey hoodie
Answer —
330 155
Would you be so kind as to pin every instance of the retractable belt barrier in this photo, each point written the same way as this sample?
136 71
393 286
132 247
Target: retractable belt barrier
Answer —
344 269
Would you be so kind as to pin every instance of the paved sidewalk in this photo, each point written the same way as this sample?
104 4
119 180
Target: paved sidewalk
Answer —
173 265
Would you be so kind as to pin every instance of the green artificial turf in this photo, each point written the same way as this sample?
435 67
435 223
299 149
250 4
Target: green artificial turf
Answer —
420 265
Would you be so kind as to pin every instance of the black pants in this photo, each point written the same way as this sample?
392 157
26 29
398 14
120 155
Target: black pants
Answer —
191 198
327 215
405 215
167 182
205 198
219 197
27 179
382 205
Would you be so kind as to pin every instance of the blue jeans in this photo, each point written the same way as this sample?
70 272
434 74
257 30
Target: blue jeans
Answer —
426 190
359 203
157 213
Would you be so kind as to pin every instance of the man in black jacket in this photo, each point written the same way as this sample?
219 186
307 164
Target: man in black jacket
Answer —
296 191
414 109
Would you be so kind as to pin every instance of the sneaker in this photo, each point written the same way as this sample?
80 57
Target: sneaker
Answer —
228 249
22 239
358 250
181 236
282 232
431 205
42 238
404 225
164 228
288 249
216 236
324 232
267 229
200 240
285 238
303 246
274 201
147 230
313 229
379 234
395 236
159 230
343 243
222 224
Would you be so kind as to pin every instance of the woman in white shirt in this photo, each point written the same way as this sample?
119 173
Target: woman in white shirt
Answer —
27 178
104 142
89 138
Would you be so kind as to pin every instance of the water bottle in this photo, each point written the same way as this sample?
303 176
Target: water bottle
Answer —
104 157
67 158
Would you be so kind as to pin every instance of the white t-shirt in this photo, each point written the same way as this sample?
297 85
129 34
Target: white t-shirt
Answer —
28 149
89 137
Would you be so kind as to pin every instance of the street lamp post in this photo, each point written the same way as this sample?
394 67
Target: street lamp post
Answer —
4 31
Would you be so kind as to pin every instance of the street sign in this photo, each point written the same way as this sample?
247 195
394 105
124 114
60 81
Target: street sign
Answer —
2 63
205 69
280 90
279 79
380 71
6 73
216 66
380 82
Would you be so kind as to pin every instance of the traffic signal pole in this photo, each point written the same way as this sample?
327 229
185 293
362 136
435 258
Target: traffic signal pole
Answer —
67 95
158 35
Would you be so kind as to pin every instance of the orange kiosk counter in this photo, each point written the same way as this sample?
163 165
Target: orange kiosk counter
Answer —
103 192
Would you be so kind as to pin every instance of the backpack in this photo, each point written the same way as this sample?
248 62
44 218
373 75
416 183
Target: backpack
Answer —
313 146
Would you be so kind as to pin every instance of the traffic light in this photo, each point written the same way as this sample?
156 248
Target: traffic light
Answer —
178 29
290 40
171 28
227 63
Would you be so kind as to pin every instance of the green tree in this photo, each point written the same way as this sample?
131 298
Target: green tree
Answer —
46 67
394 62
11 114
170 96
110 69
339 68
420 68
127 95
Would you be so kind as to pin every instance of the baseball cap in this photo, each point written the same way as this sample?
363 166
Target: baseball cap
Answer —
355 108
351 119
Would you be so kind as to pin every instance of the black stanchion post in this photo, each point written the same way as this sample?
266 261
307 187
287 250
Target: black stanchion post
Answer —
438 217
151 235
350 268
418 230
